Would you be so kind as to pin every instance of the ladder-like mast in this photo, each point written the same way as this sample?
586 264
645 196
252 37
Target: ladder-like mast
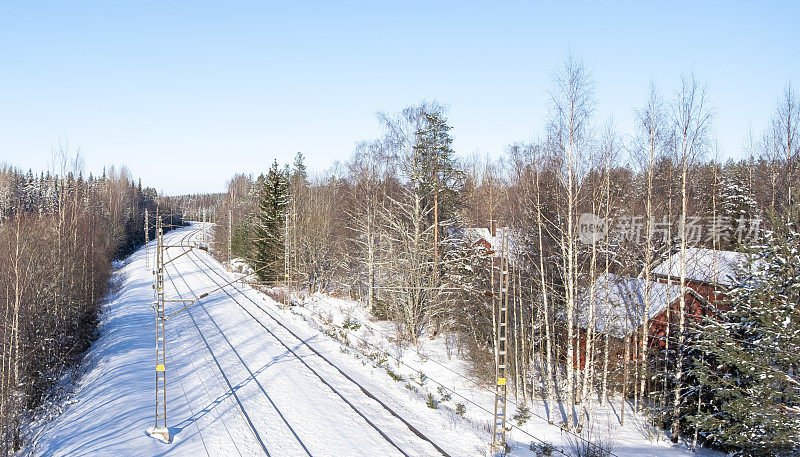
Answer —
501 335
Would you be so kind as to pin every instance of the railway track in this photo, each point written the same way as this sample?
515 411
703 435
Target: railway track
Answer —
338 382
227 380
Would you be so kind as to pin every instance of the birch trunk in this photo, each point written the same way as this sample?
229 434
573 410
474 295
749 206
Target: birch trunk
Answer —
652 127
692 123
549 375
624 381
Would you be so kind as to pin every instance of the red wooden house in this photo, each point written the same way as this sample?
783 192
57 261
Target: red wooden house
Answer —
709 274
620 301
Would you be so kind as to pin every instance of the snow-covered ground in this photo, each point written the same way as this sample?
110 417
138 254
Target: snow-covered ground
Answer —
444 375
269 401
246 377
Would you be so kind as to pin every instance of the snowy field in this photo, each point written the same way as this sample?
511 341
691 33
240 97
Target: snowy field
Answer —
246 377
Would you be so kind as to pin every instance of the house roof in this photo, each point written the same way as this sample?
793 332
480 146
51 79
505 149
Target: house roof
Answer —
619 302
704 265
476 234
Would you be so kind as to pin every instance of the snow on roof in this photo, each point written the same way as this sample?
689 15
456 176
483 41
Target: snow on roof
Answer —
619 301
704 265
475 234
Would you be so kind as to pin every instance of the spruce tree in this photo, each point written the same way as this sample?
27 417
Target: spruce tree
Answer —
738 204
438 181
750 358
439 173
270 224
299 172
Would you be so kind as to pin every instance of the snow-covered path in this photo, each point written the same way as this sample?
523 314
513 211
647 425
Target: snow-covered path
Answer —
240 379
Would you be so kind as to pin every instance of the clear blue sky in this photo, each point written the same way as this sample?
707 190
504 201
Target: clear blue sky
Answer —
187 93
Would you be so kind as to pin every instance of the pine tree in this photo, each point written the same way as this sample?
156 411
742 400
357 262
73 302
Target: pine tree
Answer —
270 224
749 357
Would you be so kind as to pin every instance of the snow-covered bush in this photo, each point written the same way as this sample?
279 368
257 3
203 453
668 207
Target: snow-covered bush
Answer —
522 415
432 402
543 449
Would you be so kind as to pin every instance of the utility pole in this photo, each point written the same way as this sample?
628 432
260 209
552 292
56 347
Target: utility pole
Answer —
146 240
160 429
436 232
500 398
286 261
230 236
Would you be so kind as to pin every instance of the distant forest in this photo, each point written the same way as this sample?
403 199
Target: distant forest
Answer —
59 232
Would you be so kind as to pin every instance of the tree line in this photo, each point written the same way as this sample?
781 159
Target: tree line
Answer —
59 233
396 226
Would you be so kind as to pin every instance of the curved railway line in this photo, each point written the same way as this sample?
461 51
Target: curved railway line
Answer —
333 378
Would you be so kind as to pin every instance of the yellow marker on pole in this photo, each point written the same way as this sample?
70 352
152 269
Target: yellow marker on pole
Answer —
159 367
501 381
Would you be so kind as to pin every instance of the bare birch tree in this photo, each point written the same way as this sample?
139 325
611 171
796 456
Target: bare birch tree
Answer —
571 107
651 127
692 121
